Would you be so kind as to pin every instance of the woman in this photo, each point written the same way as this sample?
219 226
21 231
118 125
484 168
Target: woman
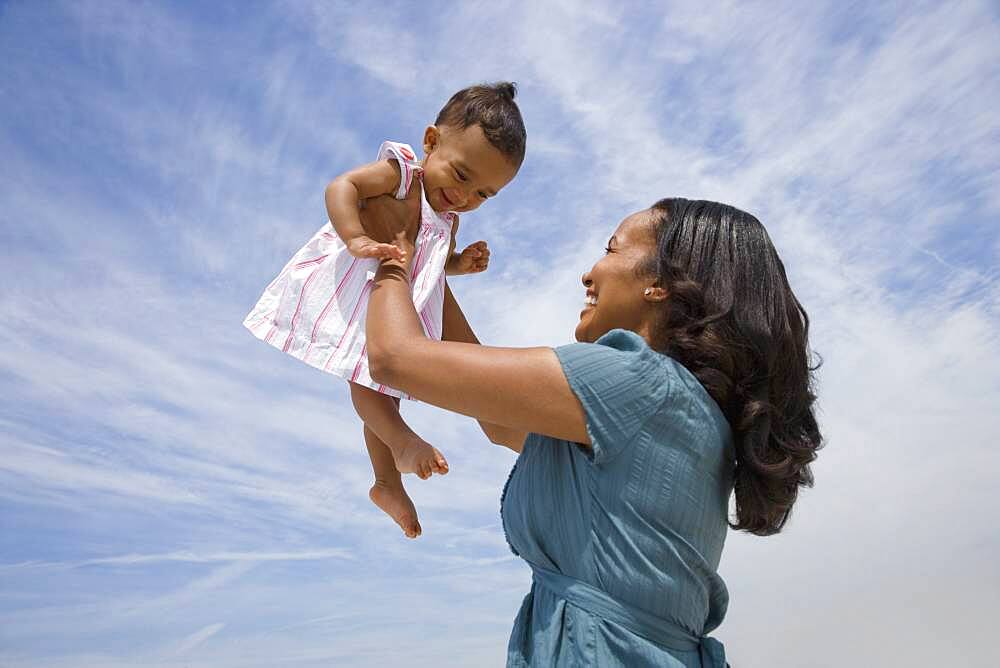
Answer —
691 380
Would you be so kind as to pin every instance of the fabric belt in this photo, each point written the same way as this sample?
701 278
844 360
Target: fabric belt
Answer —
644 624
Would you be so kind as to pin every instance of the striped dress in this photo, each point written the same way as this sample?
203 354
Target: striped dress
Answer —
315 308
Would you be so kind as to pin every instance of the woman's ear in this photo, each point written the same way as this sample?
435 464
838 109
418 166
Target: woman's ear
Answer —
431 138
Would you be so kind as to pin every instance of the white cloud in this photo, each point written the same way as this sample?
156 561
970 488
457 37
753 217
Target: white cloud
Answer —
864 139
198 637
192 558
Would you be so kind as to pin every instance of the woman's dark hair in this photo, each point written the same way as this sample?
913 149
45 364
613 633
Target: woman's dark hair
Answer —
492 107
732 320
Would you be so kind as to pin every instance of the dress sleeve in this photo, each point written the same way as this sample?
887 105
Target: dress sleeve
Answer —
620 382
408 164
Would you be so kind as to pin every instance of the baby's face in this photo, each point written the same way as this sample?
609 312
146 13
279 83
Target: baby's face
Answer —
462 168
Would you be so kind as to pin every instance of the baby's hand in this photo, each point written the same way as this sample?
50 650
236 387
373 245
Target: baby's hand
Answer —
365 247
474 259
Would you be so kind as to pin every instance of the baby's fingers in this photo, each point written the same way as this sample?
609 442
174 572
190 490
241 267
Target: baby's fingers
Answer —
477 249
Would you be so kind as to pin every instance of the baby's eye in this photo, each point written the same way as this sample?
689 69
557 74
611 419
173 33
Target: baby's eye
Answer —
460 176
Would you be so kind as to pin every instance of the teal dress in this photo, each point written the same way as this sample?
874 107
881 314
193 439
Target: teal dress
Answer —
623 538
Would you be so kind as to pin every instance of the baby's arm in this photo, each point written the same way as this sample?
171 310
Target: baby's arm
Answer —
343 196
451 263
474 259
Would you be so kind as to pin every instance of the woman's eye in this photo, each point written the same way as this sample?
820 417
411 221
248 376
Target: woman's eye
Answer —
483 195
607 249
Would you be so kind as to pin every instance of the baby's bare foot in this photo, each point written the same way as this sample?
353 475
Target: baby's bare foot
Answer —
420 457
396 503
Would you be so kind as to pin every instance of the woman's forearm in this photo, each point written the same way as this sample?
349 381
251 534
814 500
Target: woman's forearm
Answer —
522 389
455 327
395 324
396 327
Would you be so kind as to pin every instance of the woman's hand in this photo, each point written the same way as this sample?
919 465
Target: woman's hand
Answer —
392 221
519 390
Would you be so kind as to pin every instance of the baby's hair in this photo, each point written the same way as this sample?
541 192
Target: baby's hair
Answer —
492 107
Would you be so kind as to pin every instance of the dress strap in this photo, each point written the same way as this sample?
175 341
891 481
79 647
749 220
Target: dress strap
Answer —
409 166
644 624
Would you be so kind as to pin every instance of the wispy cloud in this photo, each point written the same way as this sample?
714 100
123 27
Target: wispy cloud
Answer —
191 558
199 637
166 479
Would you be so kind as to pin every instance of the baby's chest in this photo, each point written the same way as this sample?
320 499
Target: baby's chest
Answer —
429 218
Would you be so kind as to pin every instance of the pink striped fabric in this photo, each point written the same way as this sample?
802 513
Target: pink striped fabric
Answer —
315 309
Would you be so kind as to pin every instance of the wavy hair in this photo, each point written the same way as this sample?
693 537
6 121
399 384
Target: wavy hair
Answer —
732 320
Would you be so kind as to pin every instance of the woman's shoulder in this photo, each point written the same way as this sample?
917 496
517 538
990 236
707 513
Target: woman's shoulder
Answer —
638 351
620 383
626 387
620 354
623 349
683 399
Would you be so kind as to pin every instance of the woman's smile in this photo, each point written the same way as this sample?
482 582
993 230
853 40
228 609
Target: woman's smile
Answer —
616 279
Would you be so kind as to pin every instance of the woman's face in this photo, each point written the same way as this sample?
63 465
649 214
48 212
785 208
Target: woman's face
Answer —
615 296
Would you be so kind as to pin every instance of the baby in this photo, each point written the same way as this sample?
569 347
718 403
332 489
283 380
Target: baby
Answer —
315 309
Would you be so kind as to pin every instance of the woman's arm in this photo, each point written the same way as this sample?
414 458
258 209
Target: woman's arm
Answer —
523 389
456 328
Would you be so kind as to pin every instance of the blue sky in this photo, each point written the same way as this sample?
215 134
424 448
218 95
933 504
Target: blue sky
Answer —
174 493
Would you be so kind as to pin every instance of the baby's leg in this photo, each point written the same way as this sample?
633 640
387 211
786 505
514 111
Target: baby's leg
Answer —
410 453
388 493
